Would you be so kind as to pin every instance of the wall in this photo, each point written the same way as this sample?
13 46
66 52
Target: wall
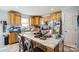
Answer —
78 33
1 38
3 15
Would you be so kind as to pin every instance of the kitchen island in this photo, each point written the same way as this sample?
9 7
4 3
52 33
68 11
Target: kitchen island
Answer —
48 45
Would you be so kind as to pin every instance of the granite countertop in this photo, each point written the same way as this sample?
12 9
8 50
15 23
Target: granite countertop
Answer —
49 42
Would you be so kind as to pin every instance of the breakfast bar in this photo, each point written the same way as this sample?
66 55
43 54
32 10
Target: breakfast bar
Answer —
48 45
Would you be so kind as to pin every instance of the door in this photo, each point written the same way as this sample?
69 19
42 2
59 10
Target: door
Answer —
69 28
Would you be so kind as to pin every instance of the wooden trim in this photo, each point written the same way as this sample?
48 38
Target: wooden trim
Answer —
15 12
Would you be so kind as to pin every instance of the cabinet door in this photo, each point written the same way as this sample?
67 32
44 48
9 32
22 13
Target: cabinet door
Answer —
12 38
32 21
18 20
58 16
53 16
37 20
11 18
14 19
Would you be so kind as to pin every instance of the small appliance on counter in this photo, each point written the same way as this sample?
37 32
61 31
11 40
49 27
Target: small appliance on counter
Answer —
42 36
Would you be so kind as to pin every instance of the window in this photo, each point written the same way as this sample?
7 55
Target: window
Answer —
25 22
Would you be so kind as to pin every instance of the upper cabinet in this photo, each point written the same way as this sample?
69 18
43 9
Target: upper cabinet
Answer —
14 18
53 16
35 20
18 20
31 20
11 18
48 18
56 16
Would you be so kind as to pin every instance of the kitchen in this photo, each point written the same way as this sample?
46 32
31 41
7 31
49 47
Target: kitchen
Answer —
38 29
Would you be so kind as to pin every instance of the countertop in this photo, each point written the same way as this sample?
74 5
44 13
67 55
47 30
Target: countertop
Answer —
49 42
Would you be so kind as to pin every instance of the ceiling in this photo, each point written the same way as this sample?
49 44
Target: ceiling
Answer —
33 10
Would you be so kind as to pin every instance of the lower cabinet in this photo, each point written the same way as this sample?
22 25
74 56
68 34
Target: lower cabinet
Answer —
12 38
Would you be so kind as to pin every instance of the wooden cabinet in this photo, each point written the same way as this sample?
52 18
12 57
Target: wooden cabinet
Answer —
11 19
12 38
18 20
32 21
56 16
35 20
14 20
47 18
53 16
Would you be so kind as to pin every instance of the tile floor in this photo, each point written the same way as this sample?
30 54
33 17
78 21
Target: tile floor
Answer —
10 48
15 48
